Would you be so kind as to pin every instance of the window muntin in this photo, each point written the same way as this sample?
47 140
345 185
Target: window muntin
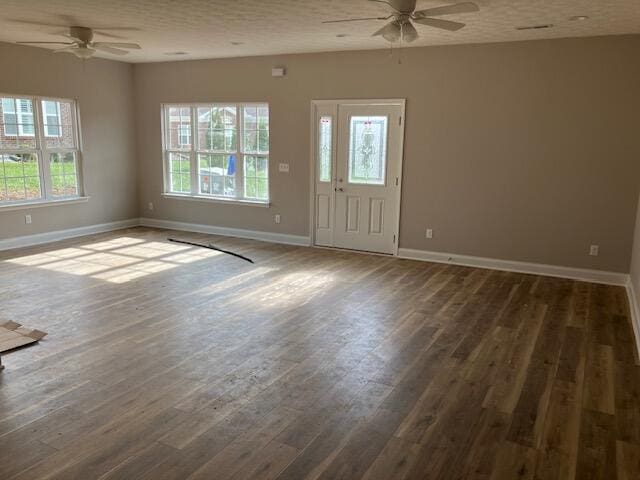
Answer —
228 157
39 153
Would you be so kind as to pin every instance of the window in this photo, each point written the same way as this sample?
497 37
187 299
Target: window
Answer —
325 145
17 114
227 156
39 152
52 118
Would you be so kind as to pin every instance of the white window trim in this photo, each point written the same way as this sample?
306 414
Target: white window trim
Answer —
194 149
43 153
27 205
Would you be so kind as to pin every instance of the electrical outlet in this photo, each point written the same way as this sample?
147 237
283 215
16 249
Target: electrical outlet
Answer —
276 218
283 168
151 206
429 233
593 250
27 219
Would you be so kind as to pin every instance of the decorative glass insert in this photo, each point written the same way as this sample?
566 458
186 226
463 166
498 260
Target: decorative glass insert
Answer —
256 177
64 177
325 144
368 150
179 171
217 174
19 177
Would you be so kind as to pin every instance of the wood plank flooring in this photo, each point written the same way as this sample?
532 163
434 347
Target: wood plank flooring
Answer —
166 361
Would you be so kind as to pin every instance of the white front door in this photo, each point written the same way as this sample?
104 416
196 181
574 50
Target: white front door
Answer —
358 170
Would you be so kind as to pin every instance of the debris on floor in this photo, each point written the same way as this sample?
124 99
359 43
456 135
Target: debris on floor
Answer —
13 335
211 247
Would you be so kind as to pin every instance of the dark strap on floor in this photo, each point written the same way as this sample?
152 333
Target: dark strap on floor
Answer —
211 247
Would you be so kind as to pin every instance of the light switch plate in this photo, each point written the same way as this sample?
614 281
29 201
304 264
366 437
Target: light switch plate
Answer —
283 168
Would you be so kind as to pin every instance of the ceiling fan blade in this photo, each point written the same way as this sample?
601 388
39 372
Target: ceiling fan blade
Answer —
40 24
442 24
466 7
409 32
108 35
400 6
105 48
357 19
42 43
129 46
66 49
390 32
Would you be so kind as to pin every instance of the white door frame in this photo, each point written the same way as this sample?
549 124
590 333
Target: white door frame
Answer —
401 102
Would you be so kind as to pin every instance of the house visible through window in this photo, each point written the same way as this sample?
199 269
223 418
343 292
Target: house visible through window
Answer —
217 150
52 118
17 114
39 154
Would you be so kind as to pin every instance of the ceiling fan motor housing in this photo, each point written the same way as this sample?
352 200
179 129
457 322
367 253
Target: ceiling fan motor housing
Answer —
83 34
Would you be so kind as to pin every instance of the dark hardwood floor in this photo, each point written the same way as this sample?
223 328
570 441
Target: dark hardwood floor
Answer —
166 361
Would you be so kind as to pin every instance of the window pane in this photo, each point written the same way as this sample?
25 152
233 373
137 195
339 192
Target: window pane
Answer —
20 179
250 167
217 174
180 171
217 128
256 174
58 124
64 182
17 130
262 189
250 187
367 150
262 167
251 141
250 118
179 128
256 129
325 151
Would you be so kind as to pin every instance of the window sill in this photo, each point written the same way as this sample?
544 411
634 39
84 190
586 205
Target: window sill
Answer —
42 203
227 201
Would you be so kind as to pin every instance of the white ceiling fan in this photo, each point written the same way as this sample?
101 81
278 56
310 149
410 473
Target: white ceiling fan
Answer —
404 14
83 46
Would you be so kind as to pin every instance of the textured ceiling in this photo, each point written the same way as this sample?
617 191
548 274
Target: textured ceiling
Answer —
209 28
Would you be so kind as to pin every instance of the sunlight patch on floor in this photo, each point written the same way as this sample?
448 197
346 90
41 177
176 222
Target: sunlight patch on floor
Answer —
117 261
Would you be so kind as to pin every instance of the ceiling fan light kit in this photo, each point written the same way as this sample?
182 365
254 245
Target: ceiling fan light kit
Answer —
404 15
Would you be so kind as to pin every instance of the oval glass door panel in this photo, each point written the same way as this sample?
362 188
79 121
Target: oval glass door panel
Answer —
368 150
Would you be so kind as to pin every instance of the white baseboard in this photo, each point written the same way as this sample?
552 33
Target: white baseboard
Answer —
635 310
298 240
594 276
47 237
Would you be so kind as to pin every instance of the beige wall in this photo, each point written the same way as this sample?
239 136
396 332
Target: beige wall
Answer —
522 151
104 91
635 259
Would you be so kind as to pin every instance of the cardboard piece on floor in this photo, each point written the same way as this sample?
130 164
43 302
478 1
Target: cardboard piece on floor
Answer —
14 335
